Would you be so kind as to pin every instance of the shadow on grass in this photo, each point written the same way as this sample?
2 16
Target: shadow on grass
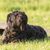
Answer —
1 31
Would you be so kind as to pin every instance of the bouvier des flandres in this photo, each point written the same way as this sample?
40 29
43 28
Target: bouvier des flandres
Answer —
17 28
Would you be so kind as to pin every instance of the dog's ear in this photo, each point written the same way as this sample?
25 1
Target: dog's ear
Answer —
8 16
25 19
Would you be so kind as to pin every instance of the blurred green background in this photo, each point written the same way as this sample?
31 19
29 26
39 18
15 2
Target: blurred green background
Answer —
38 11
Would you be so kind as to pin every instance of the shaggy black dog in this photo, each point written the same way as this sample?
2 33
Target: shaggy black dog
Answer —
18 29
13 25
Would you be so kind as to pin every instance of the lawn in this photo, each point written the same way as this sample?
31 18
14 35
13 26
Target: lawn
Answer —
38 12
29 45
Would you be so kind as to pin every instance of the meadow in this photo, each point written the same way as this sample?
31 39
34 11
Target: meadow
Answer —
29 45
38 12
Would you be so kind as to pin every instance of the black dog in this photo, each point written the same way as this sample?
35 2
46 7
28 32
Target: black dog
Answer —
13 25
17 22
28 31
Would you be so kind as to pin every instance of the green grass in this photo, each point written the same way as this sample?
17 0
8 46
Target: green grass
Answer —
29 45
38 12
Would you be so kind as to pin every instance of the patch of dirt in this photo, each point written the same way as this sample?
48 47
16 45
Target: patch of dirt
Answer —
2 25
47 31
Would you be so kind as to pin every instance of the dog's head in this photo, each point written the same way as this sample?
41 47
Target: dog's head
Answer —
17 19
20 18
